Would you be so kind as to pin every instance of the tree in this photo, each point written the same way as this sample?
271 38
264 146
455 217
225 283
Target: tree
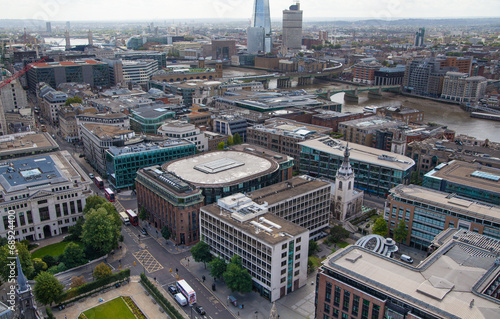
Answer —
39 265
24 258
102 271
401 232
76 230
230 140
313 247
236 277
337 233
47 288
201 253
100 233
143 215
72 100
220 146
93 202
165 232
77 281
217 267
380 227
49 260
237 139
73 256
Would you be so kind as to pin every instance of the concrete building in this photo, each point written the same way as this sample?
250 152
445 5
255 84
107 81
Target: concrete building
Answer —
376 171
173 73
112 119
457 281
130 55
364 131
364 72
170 202
139 71
292 27
347 201
13 97
283 136
148 119
223 49
463 64
400 113
223 173
419 37
51 102
417 78
97 138
67 124
93 72
214 139
427 212
273 250
462 88
259 33
26 144
302 200
332 119
44 193
122 163
472 180
389 76
184 130
230 125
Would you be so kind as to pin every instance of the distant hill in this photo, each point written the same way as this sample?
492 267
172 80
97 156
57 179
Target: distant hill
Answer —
411 22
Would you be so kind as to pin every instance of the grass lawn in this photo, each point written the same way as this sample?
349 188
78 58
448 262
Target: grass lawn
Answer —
53 250
116 308
315 261
342 244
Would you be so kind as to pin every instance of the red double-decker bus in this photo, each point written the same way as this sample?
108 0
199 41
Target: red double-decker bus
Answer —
132 217
110 195
99 182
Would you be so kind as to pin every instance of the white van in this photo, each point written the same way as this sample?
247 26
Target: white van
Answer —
181 300
407 259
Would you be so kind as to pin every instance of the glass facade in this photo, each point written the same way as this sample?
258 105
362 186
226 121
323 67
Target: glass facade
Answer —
122 169
148 125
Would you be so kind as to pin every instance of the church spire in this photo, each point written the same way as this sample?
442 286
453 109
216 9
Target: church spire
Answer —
21 278
345 169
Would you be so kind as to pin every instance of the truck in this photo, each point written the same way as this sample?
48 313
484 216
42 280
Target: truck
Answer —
187 291
124 218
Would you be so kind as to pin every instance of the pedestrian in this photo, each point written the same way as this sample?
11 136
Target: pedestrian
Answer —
65 317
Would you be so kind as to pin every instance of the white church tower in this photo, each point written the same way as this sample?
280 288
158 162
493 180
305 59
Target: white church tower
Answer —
347 200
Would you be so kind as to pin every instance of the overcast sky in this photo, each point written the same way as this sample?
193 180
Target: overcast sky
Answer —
73 10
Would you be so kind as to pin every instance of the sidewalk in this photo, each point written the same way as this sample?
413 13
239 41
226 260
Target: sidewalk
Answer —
296 305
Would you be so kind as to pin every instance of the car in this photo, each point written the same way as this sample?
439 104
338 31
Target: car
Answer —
81 155
91 175
172 290
407 259
200 310
144 231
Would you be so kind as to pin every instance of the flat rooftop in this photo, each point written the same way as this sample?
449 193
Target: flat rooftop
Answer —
279 192
25 173
146 147
373 123
28 142
442 199
67 63
104 115
442 284
273 236
219 168
151 112
471 174
172 182
360 153
106 131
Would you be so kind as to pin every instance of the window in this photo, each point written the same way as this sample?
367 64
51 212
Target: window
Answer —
335 313
327 308
298 240
336 297
44 213
355 305
58 210
375 311
345 303
328 292
30 217
365 309
298 248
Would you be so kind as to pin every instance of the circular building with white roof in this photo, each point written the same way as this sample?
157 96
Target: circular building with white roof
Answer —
223 173
378 244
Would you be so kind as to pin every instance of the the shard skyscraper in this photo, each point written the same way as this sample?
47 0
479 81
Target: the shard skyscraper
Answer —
259 32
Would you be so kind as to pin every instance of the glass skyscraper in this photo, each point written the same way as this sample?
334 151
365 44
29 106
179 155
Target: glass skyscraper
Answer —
259 32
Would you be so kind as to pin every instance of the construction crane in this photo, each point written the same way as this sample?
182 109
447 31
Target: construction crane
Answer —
18 74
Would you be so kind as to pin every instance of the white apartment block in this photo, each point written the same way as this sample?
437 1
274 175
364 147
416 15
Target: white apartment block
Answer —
273 250
184 130
44 195
463 88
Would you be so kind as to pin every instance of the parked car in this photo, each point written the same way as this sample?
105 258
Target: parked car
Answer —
91 175
181 300
144 231
172 290
200 310
407 259
81 155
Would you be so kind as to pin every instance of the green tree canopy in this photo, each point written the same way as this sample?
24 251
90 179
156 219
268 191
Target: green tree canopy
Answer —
220 146
217 267
201 252
165 232
73 256
39 265
237 139
143 215
47 288
230 140
24 258
76 230
100 232
380 227
93 202
236 277
72 100
102 271
401 232
313 247
338 233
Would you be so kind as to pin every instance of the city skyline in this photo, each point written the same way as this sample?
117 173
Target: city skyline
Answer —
92 10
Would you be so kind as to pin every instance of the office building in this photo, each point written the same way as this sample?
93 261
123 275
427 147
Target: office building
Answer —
332 119
242 168
160 57
302 200
463 64
420 37
230 125
364 131
13 97
400 113
148 119
184 130
417 75
48 27
462 88
26 144
122 163
459 280
364 72
427 212
51 102
292 27
259 33
138 71
93 72
389 76
112 119
97 138
170 202
178 73
67 124
472 180
223 49
45 193
273 250
376 171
